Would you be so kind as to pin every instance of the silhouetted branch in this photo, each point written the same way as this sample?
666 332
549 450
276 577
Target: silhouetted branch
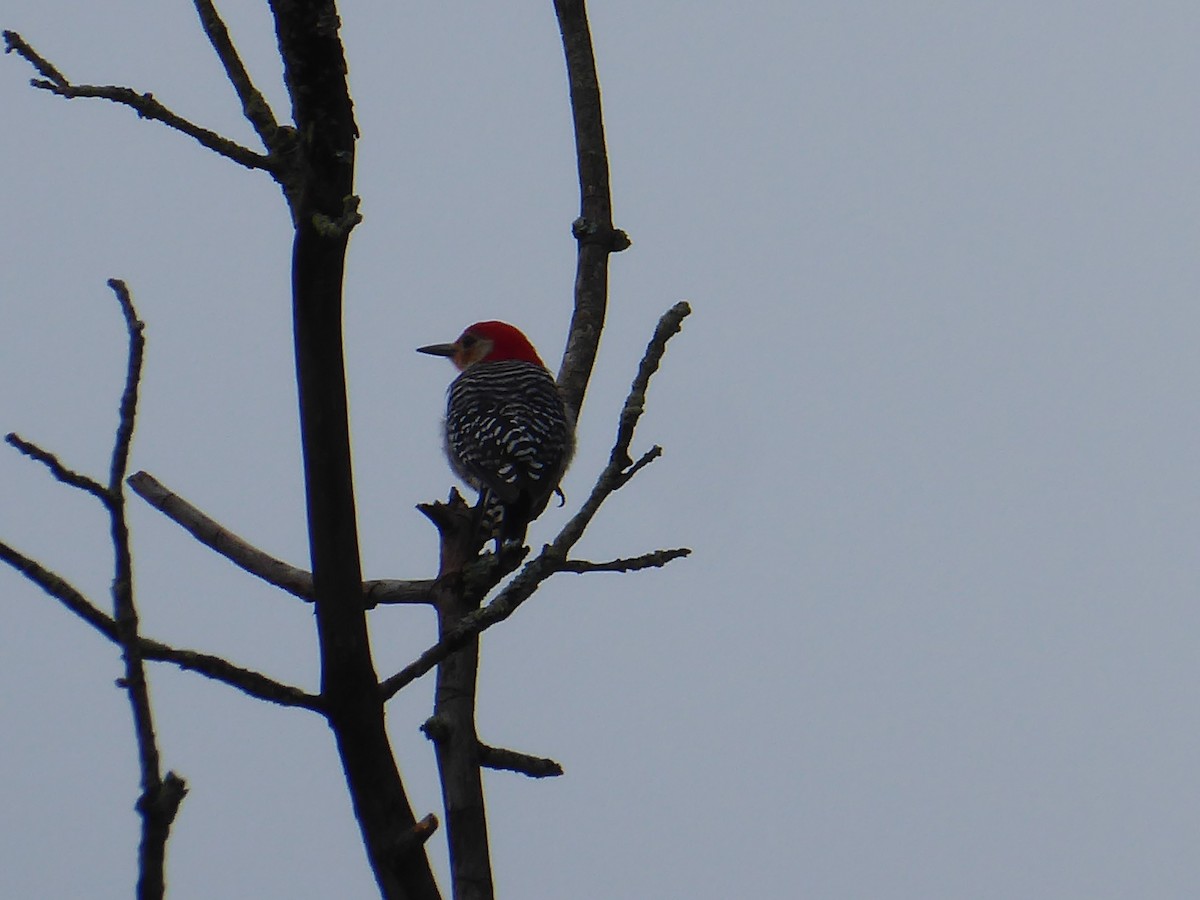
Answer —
553 555
452 725
521 763
57 469
14 43
127 411
646 458
594 228
395 591
143 104
156 805
216 537
620 467
653 560
246 680
318 181
249 558
60 589
254 106
415 837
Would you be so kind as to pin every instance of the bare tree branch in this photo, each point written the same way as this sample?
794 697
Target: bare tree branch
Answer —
319 186
620 467
246 680
144 104
646 458
60 590
415 837
249 558
594 228
14 43
127 411
553 555
452 725
57 469
521 763
395 591
214 536
156 805
158 808
254 106
654 560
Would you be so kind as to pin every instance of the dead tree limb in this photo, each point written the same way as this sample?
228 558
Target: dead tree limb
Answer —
593 230
160 799
254 106
452 726
160 796
654 560
320 192
248 681
522 763
249 558
144 104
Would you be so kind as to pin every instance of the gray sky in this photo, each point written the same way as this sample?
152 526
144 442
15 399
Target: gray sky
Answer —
931 432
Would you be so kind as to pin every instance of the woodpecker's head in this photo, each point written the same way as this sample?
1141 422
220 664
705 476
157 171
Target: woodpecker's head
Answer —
486 342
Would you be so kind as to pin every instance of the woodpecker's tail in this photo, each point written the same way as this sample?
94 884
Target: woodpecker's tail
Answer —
505 523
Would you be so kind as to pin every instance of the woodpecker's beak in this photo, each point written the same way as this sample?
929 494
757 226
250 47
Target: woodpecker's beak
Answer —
439 349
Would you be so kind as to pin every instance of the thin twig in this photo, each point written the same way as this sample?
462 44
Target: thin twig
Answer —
555 554
57 469
246 680
156 805
213 535
522 763
452 725
128 409
14 43
646 458
144 104
60 589
249 558
654 560
254 106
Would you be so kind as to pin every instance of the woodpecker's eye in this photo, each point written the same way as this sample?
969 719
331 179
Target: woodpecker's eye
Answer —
468 341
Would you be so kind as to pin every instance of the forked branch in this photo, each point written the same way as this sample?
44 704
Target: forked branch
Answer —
248 681
160 797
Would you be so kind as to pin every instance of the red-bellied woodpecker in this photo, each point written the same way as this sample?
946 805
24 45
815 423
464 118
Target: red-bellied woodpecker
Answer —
508 433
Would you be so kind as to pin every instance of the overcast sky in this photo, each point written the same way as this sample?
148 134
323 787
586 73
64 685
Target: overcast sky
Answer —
931 432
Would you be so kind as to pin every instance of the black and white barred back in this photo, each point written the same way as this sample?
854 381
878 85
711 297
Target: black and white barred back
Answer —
508 434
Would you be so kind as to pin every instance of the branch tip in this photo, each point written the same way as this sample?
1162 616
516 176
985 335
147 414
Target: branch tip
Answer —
513 761
655 560
58 470
14 43
415 837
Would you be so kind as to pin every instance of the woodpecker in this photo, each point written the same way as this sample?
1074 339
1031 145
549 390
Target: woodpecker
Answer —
508 433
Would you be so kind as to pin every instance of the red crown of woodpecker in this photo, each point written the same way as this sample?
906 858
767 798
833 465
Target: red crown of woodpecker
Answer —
487 342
